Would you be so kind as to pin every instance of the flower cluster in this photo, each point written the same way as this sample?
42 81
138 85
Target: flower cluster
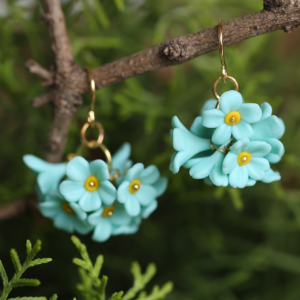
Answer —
230 146
84 197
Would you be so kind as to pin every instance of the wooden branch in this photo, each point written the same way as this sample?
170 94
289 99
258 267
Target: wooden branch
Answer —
35 68
18 207
46 98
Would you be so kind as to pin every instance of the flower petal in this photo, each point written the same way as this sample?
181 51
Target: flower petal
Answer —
132 206
79 212
239 146
148 210
107 192
259 149
120 217
160 185
123 193
64 222
222 134
260 163
254 172
126 229
177 124
71 190
102 231
146 194
242 130
238 178
90 201
213 118
229 101
36 164
271 127
96 217
203 168
78 169
251 182
134 172
198 129
209 104
99 168
149 175
271 176
120 158
81 226
50 209
250 112
266 109
216 175
230 163
50 180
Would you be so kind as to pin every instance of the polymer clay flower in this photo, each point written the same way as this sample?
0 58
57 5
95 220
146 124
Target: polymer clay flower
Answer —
67 216
88 184
121 162
48 175
137 189
246 160
233 118
209 166
112 220
269 129
188 143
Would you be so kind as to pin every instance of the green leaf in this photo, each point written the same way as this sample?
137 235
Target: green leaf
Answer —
15 260
235 195
100 12
54 297
116 296
40 261
28 247
103 286
81 263
25 282
98 265
120 4
29 298
36 248
3 275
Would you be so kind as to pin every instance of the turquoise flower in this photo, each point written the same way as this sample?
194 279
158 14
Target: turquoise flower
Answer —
110 221
246 160
188 143
233 118
269 129
48 175
67 216
138 188
121 162
209 104
88 184
209 166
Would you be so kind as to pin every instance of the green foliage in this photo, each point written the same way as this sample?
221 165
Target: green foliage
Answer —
16 280
92 288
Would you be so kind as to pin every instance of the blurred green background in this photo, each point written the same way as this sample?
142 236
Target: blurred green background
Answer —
213 243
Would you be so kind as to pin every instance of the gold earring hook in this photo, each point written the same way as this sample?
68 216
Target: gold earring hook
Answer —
221 49
91 116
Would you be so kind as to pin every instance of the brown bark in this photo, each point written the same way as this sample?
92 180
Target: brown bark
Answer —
71 82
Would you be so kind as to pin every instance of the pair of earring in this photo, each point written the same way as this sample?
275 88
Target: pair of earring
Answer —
108 198
231 143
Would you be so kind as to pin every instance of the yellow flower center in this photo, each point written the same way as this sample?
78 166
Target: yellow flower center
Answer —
66 207
232 118
92 183
108 211
244 158
134 186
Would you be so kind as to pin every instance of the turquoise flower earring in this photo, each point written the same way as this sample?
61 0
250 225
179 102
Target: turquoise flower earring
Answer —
108 198
231 143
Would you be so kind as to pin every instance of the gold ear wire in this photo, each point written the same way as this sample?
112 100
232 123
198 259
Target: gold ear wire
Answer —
224 75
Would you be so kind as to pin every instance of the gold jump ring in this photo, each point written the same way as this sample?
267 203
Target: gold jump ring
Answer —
92 143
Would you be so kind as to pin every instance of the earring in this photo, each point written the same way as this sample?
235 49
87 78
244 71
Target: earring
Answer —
108 198
231 143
